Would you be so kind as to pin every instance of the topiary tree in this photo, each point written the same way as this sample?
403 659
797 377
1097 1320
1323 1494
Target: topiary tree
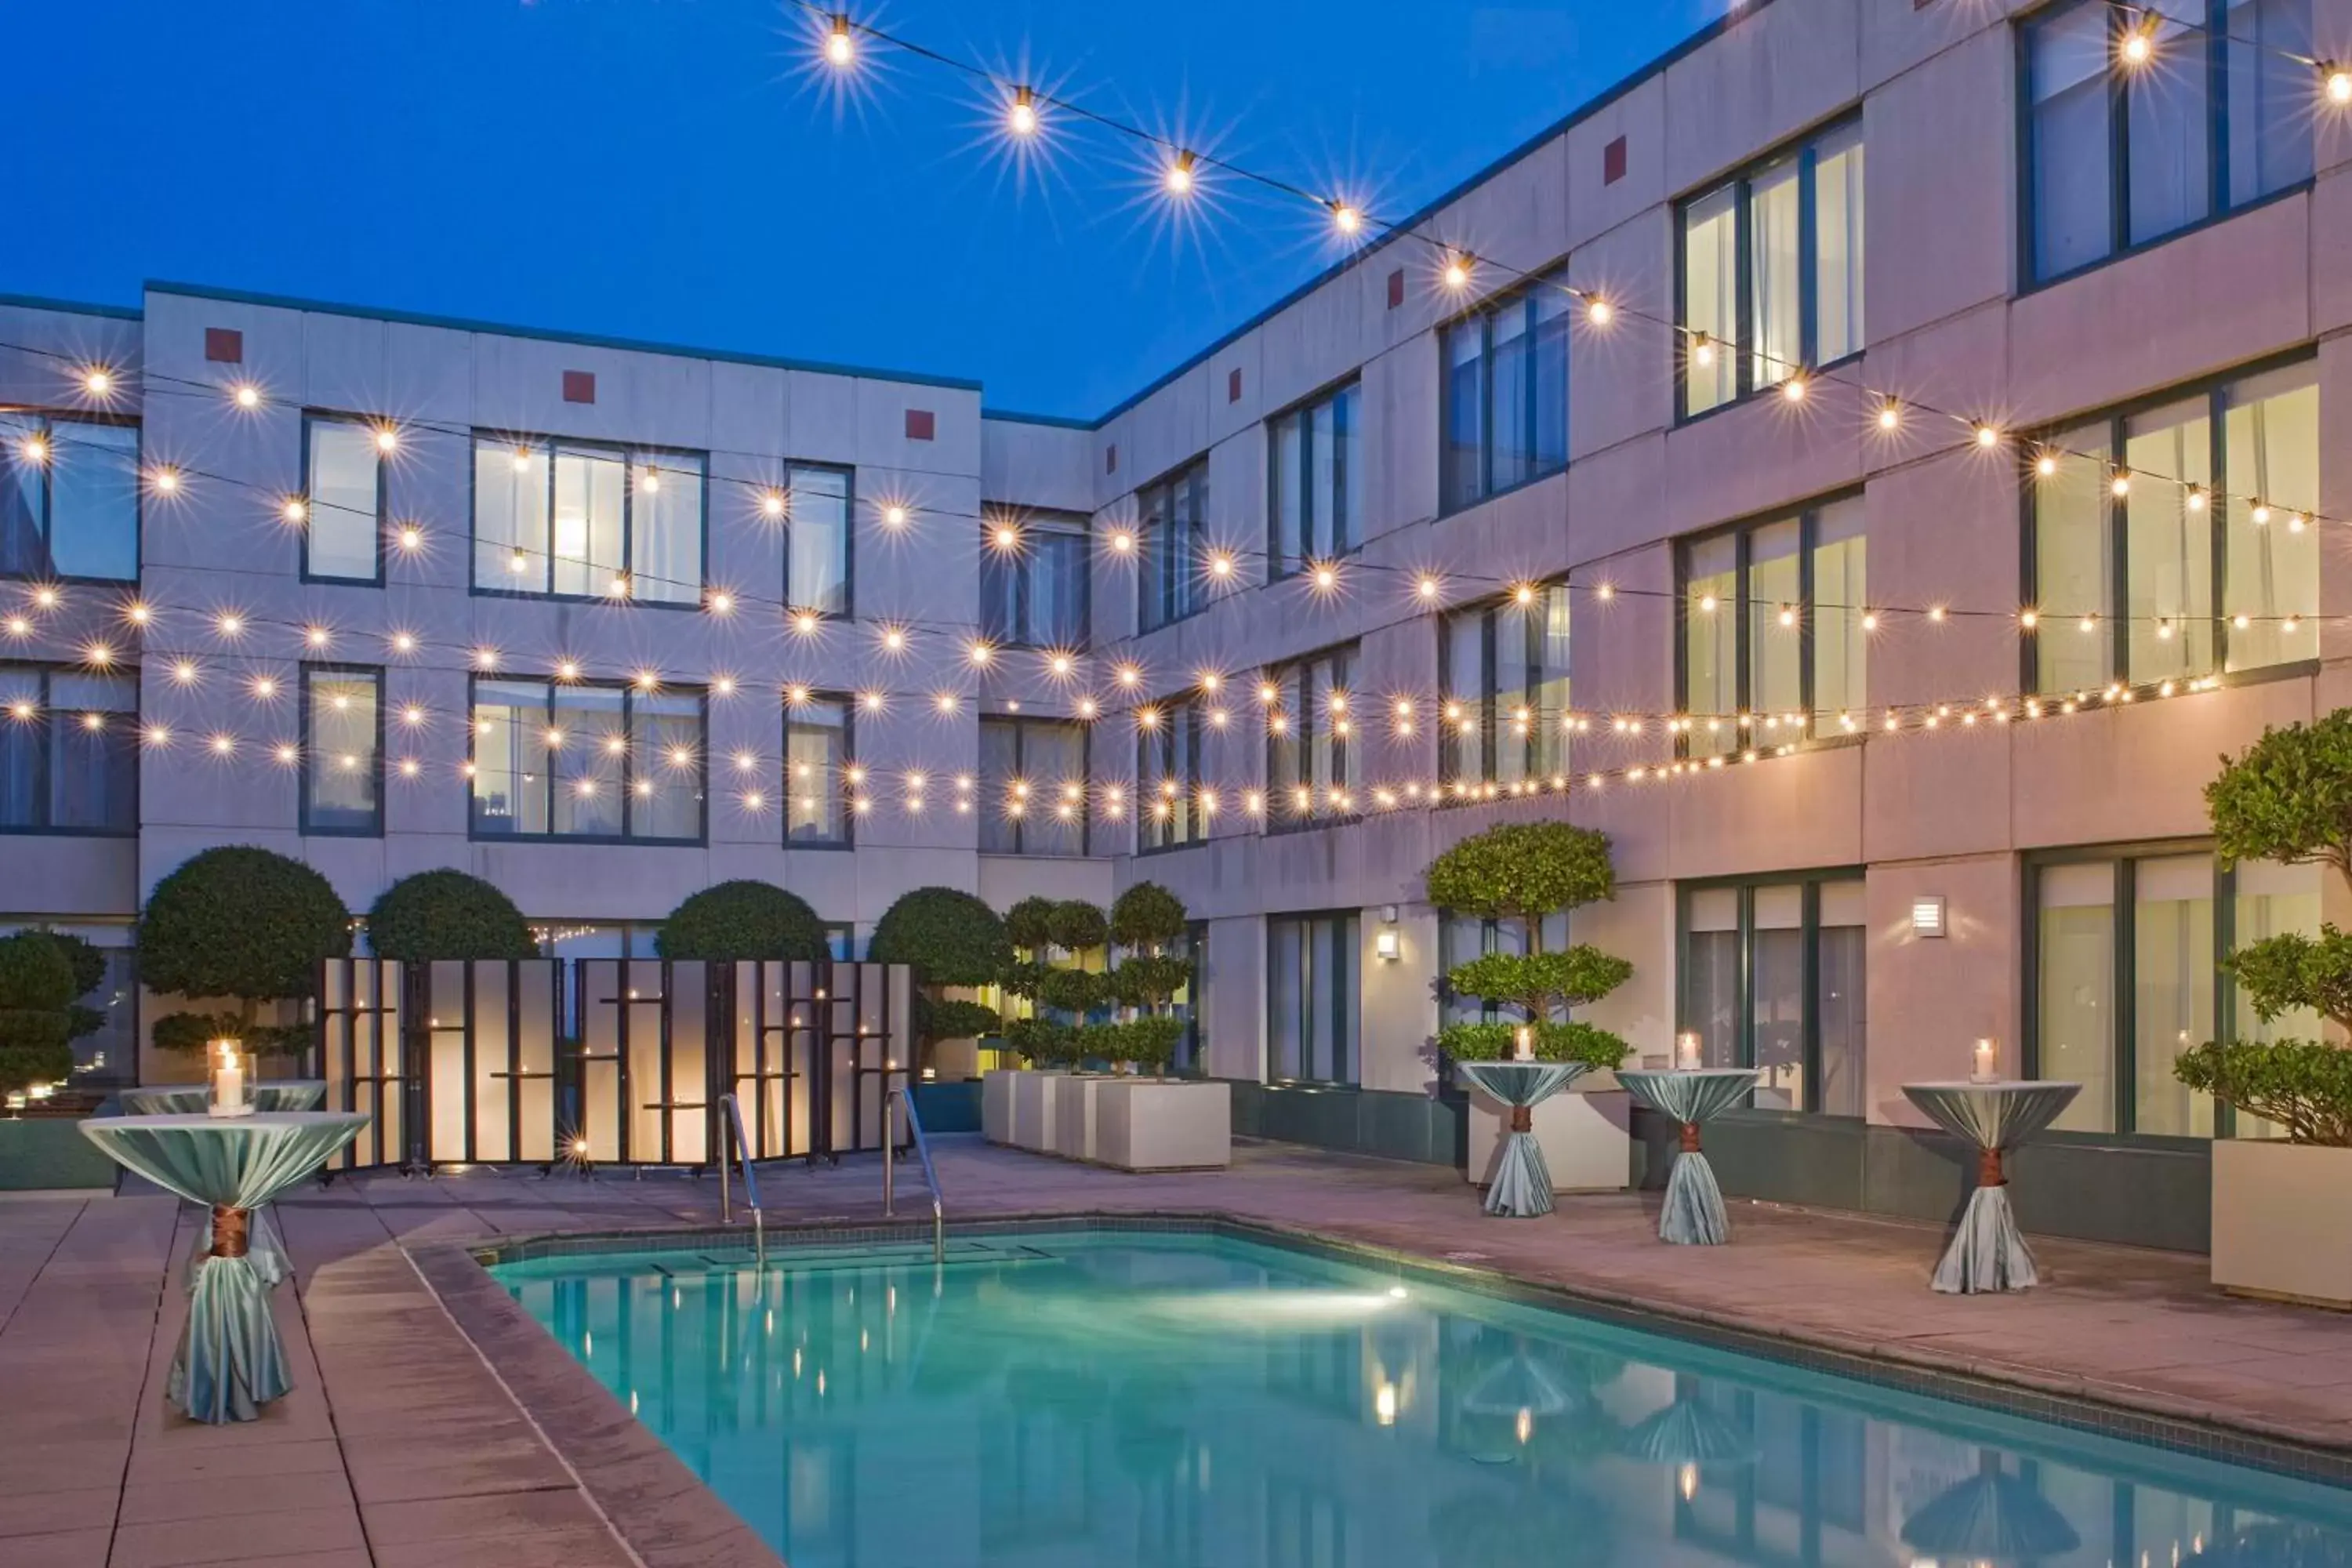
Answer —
448 914
950 939
2288 798
242 925
743 920
1526 871
1145 921
1147 916
89 962
37 1021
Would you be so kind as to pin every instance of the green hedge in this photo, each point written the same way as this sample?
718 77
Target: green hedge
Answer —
744 920
448 914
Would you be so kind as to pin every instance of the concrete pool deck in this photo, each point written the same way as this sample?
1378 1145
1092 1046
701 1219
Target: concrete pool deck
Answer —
402 1445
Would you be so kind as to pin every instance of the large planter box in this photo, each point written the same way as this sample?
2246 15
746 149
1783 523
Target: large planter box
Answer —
2282 1229
996 1104
46 1153
1163 1124
1033 1094
1587 1139
1073 1115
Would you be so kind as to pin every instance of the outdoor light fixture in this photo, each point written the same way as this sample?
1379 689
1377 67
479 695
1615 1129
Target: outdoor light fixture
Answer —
1927 915
1388 942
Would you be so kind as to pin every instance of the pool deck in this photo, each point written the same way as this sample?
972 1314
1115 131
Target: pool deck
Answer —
402 1445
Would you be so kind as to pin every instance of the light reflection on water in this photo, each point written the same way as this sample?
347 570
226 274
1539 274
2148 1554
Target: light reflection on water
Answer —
1182 1400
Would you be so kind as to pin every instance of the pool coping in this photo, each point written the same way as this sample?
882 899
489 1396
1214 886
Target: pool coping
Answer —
539 1368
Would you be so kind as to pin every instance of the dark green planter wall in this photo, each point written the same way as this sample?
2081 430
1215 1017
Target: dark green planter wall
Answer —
44 1152
1356 1121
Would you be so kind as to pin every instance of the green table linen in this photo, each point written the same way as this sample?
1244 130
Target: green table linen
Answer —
1987 1253
1693 1215
189 1099
230 1363
1522 1184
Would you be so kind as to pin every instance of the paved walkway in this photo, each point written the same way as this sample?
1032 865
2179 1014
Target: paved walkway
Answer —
402 1445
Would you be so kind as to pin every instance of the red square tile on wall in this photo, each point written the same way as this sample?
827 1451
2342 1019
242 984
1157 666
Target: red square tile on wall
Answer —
1612 162
1396 288
579 386
224 346
922 425
1234 385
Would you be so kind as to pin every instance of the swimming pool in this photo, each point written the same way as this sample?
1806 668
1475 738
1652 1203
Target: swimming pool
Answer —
1088 1398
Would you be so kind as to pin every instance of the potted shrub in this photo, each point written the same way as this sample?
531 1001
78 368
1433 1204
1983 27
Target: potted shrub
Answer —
1055 940
741 921
244 926
952 941
1526 871
448 914
2280 1227
1155 1123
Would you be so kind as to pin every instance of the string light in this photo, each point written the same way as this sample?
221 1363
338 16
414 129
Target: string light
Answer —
1345 216
1988 436
1021 118
2337 83
1890 416
98 381
1793 390
1457 270
245 394
1178 179
840 48
1599 312
166 481
387 439
2140 44
894 516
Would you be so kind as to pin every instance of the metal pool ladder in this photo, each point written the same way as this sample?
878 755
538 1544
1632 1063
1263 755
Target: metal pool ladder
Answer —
732 1140
931 1175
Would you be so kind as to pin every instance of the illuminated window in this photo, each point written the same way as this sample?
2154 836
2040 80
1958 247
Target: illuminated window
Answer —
68 497
1505 394
342 750
572 521
1316 480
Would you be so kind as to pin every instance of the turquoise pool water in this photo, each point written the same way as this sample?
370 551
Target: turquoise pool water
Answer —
1101 1399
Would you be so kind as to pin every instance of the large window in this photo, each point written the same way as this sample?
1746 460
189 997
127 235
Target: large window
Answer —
819 741
1034 579
1311 966
1310 751
1771 270
2127 951
68 497
1315 473
580 522
343 468
1504 396
1172 523
1504 673
1773 978
1168 811
1032 786
2172 541
817 573
342 754
2143 120
1774 647
554 760
68 750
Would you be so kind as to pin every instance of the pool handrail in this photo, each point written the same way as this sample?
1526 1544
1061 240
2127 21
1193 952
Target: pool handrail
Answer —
731 1139
930 1174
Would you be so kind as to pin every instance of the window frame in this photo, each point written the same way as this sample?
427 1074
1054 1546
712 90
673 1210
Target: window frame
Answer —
1523 297
1303 411
1020 724
1810 883
2112 611
1488 701
848 472
1061 525
47 671
475 680
49 419
1351 1068
1279 818
311 419
1805 148
847 837
1186 567
632 459
1188 826
374 673
2118 142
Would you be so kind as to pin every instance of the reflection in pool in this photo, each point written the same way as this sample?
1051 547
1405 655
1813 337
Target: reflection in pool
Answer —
1100 1398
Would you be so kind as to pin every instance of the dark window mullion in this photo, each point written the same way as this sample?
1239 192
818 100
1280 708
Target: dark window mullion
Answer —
1808 304
1743 379
2118 135
1742 674
1744 1017
2125 1058
1807 532
2118 515
2217 111
2217 522
1809 1070
2225 985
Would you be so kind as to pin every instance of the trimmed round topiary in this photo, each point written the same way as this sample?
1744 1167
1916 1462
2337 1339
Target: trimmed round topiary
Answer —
1147 915
1029 923
242 923
1077 926
448 914
743 920
947 936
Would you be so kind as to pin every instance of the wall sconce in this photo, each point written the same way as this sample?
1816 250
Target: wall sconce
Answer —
1927 915
1388 942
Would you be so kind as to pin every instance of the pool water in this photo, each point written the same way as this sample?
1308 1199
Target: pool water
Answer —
1105 1398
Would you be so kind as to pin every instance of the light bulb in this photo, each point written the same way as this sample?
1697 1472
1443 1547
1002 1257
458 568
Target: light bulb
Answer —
387 439
1178 179
1346 217
1457 270
1600 312
1219 564
1890 416
840 47
294 509
1702 350
166 481
2337 81
98 381
1429 588
1988 436
1022 117
894 516
410 538
245 394
2139 47
1793 389
1122 542
773 504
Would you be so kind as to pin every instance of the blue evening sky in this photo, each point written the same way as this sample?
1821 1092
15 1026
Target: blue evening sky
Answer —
674 170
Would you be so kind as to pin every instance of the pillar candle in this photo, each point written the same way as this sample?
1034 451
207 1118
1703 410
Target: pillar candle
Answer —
1686 1052
1986 1065
1524 1050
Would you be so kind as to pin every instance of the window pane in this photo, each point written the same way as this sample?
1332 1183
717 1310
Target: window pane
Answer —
1000 771
2167 108
1462 754
665 530
342 771
1837 244
1323 481
2169 543
93 501
1053 756
24 548
999 589
93 752
1057 569
1549 415
24 748
1190 515
665 751
1346 526
591 498
1842 1014
2270 133
2074 564
816 749
1550 694
1284 751
509 794
1711 622
1841 594
1511 394
1711 296
817 554
1151 577
345 503
1711 997
2075 1014
587 771
1775 260
2172 979
1780 1004
1465 426
1776 642
1285 992
1511 714
2270 436
2074 210
510 517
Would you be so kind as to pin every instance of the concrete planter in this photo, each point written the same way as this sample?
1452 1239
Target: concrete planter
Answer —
1033 1094
1163 1124
1073 1115
1586 1136
2280 1227
996 1104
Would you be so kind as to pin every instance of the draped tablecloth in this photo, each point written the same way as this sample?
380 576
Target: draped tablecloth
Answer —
188 1098
230 1361
1694 1214
1522 1187
1987 1253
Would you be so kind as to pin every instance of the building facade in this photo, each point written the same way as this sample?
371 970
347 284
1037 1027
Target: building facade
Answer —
1872 464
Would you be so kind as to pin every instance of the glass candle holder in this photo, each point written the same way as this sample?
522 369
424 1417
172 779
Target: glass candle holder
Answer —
230 1078
1984 1063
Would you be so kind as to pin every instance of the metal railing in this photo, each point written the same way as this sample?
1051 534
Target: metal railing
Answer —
931 1175
731 1139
